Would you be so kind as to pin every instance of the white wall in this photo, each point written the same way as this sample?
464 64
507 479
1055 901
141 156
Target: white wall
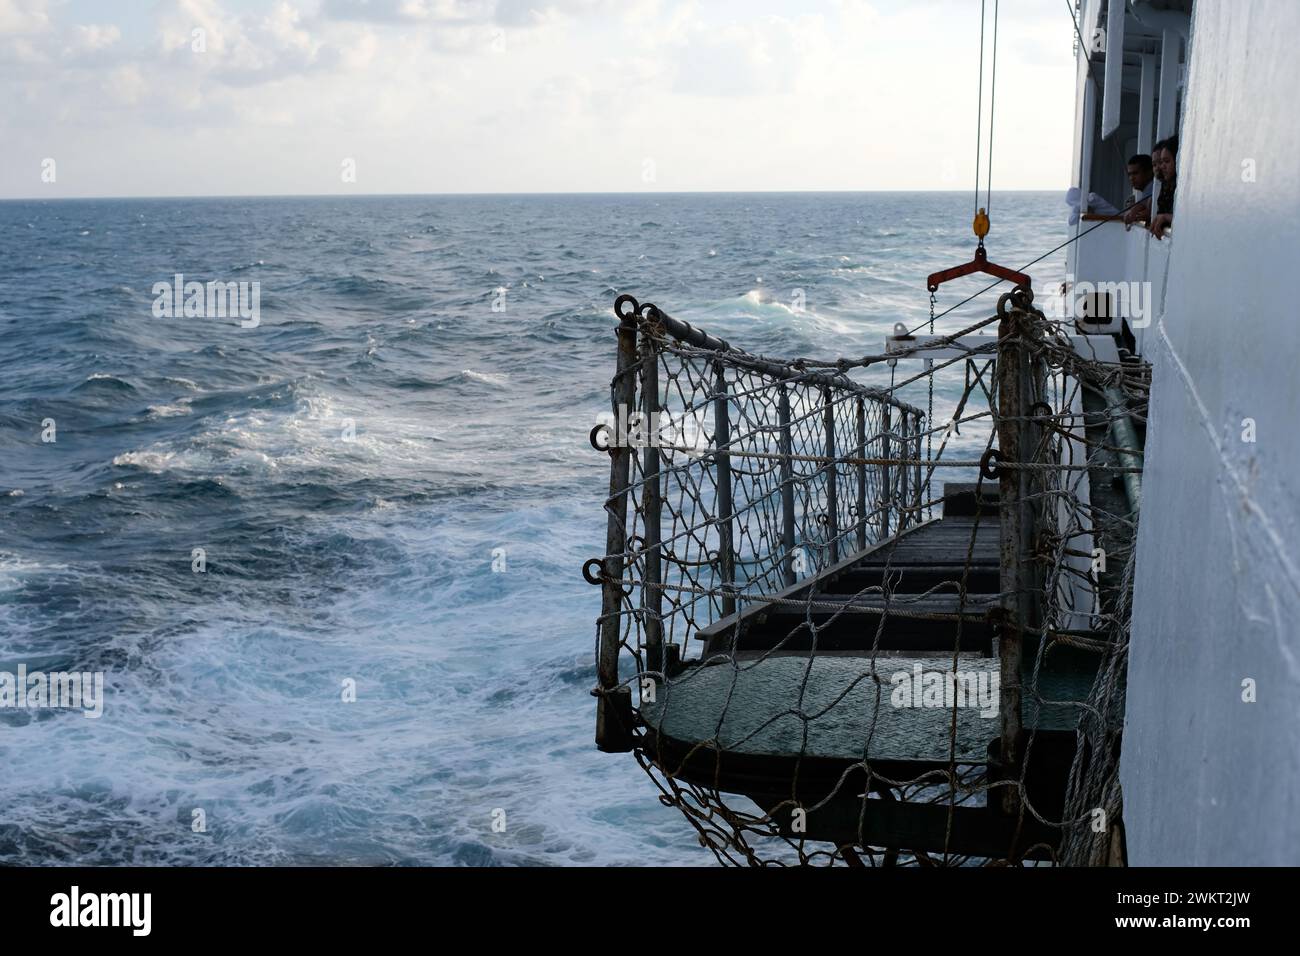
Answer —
1207 778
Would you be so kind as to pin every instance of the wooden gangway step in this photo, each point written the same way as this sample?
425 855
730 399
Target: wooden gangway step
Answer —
934 585
916 578
845 622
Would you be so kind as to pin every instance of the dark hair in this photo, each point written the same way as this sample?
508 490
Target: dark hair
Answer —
1142 161
1170 144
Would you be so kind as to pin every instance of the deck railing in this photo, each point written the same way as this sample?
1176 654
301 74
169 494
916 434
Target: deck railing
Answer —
733 476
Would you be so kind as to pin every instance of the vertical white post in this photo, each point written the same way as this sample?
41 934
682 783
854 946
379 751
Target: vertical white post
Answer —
1089 139
1085 163
1114 91
1170 44
1147 103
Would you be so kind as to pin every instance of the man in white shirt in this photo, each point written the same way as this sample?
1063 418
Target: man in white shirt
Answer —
1141 176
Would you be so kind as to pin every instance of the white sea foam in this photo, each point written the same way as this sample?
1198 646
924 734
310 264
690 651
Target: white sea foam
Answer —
785 314
14 570
170 411
487 378
321 432
152 461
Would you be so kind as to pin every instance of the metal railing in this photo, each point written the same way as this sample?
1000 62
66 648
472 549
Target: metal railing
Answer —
732 475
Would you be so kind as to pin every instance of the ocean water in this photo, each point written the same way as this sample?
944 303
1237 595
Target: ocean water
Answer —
352 467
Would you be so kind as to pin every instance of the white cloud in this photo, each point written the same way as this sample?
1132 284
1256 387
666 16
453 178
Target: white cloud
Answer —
90 37
126 84
437 95
19 17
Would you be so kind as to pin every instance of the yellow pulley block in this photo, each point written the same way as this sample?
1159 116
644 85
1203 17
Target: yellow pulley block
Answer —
981 224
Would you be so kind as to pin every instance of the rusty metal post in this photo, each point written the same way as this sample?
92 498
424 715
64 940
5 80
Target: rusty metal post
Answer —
614 703
921 424
725 516
904 471
786 449
1016 531
832 477
886 479
862 473
652 595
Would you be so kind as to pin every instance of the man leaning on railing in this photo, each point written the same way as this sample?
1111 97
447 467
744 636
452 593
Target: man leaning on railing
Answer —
1141 177
1163 159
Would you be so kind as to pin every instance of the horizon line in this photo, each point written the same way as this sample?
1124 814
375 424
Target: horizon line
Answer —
360 195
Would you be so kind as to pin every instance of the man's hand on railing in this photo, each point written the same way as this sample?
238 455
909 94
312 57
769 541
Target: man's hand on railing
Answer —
1137 213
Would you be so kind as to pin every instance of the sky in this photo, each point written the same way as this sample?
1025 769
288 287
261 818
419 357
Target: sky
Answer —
275 97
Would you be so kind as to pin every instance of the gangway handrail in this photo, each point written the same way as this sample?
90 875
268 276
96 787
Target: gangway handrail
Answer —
698 338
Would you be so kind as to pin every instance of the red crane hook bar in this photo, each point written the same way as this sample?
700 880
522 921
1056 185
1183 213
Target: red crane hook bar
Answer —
979 264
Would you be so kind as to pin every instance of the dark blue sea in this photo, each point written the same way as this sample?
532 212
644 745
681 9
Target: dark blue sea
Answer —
351 467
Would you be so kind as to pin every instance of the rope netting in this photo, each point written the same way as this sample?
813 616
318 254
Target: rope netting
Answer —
781 552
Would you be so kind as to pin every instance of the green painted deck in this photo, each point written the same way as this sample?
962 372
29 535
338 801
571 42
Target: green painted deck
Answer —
753 708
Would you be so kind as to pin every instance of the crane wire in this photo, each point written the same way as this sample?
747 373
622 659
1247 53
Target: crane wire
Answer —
979 129
979 112
993 95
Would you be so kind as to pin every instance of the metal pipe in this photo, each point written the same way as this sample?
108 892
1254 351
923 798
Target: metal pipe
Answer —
861 452
722 440
1014 534
787 486
920 490
614 706
886 480
904 472
651 593
832 478
1124 436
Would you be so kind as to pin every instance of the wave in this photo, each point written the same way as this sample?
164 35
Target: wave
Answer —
298 435
170 411
500 379
101 380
